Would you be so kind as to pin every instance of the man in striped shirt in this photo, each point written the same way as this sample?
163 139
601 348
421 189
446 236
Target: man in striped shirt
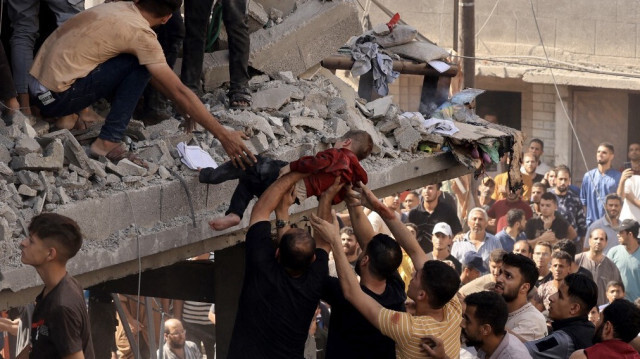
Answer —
432 288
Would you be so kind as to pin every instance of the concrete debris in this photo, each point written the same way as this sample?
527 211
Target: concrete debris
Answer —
62 195
27 145
5 155
286 77
73 151
338 126
311 122
258 80
275 15
420 51
258 143
164 173
5 170
6 231
27 191
216 69
128 168
53 159
273 98
98 168
378 108
257 16
79 171
314 31
407 138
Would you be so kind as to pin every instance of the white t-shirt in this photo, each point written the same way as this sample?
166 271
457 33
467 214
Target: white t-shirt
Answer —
629 210
378 224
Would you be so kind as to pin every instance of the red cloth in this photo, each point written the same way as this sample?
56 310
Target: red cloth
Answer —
325 166
611 349
500 208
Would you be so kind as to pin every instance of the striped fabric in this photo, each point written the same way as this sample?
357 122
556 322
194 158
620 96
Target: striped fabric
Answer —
406 330
196 312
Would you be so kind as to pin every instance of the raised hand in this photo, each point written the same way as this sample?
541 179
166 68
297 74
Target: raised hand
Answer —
328 232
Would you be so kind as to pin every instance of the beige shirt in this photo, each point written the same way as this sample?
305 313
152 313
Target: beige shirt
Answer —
602 272
91 38
478 285
528 322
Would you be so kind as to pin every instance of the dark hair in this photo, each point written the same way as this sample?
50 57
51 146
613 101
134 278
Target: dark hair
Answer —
527 242
612 197
625 318
614 283
491 309
544 244
362 143
160 8
566 246
563 168
59 229
412 225
347 230
548 196
296 250
608 145
526 266
558 254
634 229
437 184
514 216
440 281
539 185
538 141
385 256
496 255
582 289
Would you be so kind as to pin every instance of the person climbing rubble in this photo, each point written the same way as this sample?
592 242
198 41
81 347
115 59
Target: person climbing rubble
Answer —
70 73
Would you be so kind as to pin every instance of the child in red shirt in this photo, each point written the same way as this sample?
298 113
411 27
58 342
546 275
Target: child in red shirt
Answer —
343 160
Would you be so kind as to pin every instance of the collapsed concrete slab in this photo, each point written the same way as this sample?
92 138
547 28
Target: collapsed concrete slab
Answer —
314 31
52 159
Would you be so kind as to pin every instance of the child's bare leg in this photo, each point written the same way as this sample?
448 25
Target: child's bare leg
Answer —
225 222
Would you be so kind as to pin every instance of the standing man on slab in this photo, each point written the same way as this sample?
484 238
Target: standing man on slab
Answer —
599 182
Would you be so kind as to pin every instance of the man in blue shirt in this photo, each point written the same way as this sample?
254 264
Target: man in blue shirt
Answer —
626 257
599 182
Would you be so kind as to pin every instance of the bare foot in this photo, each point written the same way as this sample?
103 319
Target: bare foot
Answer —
225 222
23 100
88 115
101 147
67 122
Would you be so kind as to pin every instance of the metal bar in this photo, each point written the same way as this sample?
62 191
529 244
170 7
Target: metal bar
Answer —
125 324
468 42
456 23
151 327
339 62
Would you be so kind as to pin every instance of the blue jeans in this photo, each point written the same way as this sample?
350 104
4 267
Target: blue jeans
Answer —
121 80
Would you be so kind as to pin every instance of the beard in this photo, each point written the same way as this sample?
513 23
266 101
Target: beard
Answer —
175 345
597 336
470 342
509 296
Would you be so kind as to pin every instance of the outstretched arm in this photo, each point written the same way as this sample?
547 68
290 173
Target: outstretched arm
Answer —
273 195
365 304
324 210
399 230
362 228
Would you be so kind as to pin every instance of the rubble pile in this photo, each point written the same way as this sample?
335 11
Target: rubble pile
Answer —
290 117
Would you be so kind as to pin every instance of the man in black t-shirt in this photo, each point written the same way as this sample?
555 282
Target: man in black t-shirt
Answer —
550 226
430 211
60 324
282 284
351 335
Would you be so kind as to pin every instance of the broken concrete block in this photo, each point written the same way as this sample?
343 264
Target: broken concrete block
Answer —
164 128
112 179
5 155
131 179
257 16
420 51
153 169
387 126
163 172
157 153
273 98
408 138
317 100
379 107
312 122
338 126
27 191
38 204
98 168
79 171
8 213
215 69
53 159
4 169
314 31
31 179
285 76
13 132
62 195
128 168
401 34
336 106
259 142
73 151
6 231
275 121
41 127
27 145
258 80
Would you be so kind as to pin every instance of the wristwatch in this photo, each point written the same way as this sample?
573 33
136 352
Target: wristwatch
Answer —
281 224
